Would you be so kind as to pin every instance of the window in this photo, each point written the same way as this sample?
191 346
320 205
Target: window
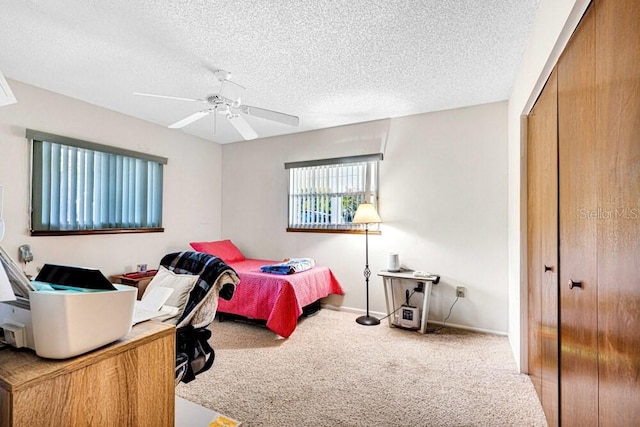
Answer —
324 194
79 187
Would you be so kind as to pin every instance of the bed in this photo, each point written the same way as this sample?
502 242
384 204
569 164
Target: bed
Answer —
277 299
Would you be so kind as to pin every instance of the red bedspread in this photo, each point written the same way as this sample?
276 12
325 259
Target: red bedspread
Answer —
278 299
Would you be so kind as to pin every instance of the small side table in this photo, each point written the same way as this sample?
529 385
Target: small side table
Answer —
391 277
138 279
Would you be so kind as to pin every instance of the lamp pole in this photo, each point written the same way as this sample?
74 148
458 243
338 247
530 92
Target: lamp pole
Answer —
367 320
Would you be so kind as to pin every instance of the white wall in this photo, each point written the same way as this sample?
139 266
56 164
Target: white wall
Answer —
410 199
555 22
192 182
443 202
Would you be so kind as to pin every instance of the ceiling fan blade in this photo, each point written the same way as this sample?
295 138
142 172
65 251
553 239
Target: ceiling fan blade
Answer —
242 126
231 91
276 116
168 97
190 119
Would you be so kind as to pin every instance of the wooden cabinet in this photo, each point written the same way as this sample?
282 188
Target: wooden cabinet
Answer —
129 382
598 223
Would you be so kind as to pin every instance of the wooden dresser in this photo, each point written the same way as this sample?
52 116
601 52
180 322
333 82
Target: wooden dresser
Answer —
129 382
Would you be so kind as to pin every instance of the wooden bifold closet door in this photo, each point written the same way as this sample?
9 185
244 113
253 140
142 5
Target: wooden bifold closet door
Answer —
542 232
579 174
617 70
599 159
598 224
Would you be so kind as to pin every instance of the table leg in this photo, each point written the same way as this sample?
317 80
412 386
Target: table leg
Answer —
425 307
388 287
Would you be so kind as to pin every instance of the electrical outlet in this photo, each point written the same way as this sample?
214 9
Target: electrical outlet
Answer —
461 291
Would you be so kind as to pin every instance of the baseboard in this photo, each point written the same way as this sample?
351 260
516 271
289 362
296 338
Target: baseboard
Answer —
470 328
358 311
380 315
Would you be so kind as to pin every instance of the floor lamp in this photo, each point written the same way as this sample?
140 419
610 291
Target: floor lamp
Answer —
366 214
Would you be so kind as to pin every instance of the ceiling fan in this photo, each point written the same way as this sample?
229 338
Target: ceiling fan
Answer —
228 103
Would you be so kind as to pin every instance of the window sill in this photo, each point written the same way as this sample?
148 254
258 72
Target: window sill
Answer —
88 232
330 230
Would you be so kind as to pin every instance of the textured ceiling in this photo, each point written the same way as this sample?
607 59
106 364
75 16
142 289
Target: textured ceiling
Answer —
330 62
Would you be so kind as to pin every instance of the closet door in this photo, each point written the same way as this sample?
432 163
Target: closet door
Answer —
578 186
618 147
542 260
599 157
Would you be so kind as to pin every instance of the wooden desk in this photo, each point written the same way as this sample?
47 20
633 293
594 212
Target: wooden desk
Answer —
388 278
129 382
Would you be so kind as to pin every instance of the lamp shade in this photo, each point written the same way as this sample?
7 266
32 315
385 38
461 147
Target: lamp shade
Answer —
366 214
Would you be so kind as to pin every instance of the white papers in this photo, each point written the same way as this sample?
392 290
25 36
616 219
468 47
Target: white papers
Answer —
6 291
152 304
155 298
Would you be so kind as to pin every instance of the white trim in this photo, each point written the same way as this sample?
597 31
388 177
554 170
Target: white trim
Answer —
358 311
574 18
524 250
380 315
470 328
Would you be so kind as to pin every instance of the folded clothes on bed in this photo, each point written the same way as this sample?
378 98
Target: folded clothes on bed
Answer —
289 266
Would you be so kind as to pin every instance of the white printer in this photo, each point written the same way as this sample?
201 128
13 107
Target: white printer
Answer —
66 311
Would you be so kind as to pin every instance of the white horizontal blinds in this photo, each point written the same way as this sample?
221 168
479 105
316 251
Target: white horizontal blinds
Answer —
75 188
327 195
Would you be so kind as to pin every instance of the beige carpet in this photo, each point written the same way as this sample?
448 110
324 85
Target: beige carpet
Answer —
335 372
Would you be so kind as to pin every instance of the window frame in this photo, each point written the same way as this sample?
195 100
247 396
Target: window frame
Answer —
371 194
34 137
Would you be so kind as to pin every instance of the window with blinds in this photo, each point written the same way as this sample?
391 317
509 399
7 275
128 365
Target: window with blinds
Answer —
324 194
79 187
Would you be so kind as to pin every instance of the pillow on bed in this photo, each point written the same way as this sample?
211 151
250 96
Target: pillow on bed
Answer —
223 249
182 284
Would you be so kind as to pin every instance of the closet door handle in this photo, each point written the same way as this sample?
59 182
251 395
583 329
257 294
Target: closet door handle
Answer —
575 284
548 268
